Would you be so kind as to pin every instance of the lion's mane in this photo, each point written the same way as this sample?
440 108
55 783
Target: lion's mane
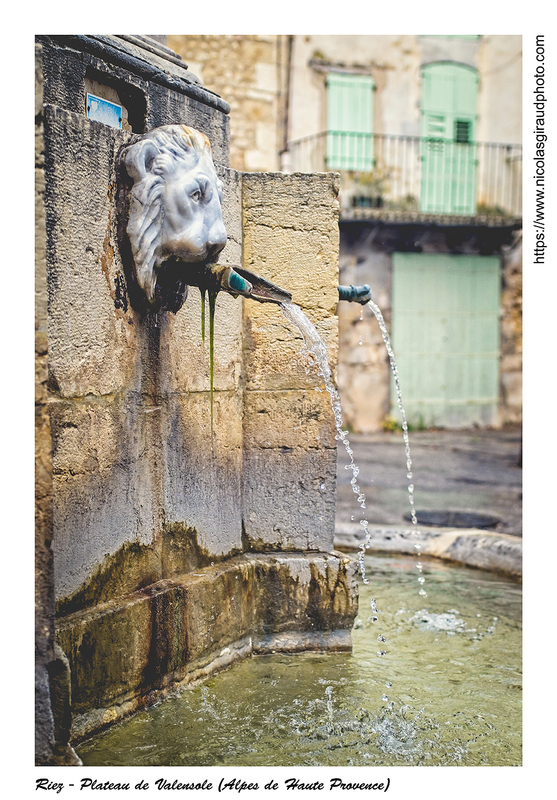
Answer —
146 159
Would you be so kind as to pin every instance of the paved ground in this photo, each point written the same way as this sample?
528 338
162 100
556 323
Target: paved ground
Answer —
467 471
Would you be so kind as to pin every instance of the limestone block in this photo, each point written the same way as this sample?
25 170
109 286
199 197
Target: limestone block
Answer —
275 356
301 593
291 238
289 498
219 607
186 353
91 330
202 469
288 419
109 650
105 490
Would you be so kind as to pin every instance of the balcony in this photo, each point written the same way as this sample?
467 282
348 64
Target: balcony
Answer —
414 178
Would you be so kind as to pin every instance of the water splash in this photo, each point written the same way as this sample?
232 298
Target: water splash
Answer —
315 347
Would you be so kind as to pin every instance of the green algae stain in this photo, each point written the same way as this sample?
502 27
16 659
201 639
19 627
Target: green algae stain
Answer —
212 292
212 303
202 291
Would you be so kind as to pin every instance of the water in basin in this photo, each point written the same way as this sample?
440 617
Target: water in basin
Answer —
446 692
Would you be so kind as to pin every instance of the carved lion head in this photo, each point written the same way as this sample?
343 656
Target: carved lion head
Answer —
175 215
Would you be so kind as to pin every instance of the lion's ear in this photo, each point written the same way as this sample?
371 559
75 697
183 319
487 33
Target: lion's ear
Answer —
139 158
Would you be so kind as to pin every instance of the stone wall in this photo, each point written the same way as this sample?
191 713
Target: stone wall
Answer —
44 586
511 333
245 71
186 534
52 680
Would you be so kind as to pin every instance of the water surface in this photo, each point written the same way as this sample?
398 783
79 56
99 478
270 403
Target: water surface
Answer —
453 659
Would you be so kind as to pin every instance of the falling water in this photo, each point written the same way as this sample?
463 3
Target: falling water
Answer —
315 346
379 317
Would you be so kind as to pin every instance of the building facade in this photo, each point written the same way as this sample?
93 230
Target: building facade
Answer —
425 132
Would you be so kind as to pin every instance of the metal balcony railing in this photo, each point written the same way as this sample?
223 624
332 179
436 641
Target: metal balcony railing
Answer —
416 174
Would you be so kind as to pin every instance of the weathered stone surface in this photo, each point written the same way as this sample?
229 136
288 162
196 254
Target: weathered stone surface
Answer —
126 653
299 514
202 468
155 91
291 231
106 490
247 77
52 689
93 340
44 581
289 419
166 504
498 552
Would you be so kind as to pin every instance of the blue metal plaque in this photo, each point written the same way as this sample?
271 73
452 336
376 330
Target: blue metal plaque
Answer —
104 111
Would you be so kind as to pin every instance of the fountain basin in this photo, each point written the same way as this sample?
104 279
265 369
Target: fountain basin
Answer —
127 653
453 658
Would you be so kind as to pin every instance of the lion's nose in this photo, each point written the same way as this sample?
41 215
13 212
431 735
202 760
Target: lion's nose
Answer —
214 249
217 238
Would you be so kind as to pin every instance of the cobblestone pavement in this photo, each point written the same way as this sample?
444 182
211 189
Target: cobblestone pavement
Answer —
469 471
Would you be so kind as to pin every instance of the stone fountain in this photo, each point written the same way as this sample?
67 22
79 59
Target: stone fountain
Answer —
186 488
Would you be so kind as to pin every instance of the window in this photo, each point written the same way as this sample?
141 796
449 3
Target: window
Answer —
349 121
462 131
449 100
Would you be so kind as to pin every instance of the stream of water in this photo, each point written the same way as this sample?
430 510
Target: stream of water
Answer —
315 347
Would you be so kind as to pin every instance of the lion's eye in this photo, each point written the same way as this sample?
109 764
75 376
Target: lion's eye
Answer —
196 196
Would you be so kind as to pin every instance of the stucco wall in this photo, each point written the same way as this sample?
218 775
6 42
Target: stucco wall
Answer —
395 64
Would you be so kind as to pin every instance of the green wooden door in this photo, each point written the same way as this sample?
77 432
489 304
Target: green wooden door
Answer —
445 336
448 150
349 122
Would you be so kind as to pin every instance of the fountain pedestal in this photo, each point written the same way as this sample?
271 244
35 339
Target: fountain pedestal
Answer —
181 539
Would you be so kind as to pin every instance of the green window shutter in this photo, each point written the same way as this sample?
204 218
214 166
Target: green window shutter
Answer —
445 334
449 106
349 121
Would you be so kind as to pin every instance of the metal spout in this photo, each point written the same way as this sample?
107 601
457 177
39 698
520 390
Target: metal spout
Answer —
236 280
355 294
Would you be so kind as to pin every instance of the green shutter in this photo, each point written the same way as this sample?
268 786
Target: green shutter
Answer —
445 335
449 100
349 122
